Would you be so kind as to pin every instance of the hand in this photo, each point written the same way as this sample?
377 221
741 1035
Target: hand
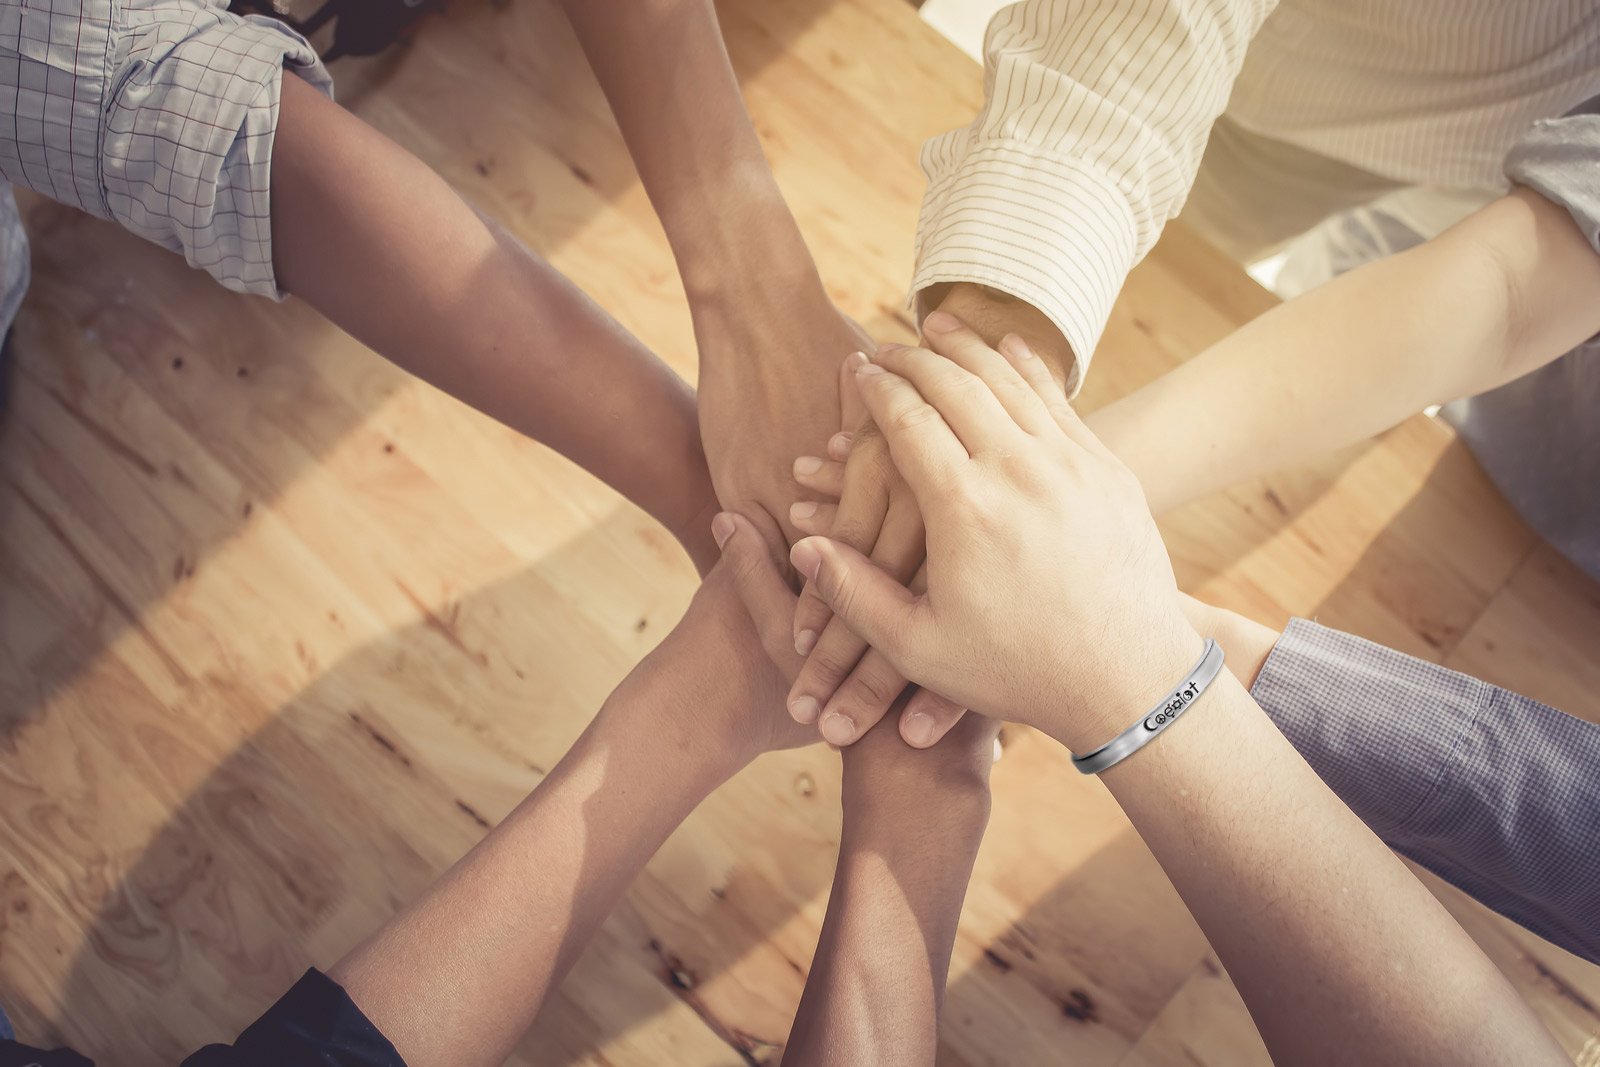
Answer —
768 393
848 687
1050 598
740 705
879 772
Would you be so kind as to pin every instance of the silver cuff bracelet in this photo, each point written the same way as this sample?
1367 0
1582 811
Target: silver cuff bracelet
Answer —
1163 715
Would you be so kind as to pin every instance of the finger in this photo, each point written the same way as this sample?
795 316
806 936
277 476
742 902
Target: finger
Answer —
959 343
767 597
863 698
869 601
927 717
963 401
832 657
839 444
824 476
863 509
809 517
925 450
1037 374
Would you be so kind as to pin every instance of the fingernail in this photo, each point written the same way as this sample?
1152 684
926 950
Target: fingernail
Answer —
806 558
804 710
807 465
722 528
805 641
855 359
867 369
941 322
1015 347
918 728
837 729
839 445
803 509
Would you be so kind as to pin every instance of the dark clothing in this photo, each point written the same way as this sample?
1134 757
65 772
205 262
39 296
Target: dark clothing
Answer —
315 1024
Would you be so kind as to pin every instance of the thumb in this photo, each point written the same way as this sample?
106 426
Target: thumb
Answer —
865 596
767 597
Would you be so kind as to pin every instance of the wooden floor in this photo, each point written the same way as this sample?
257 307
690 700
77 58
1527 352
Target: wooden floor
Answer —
281 631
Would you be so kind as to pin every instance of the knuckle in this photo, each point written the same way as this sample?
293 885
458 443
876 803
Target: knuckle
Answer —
913 417
812 609
874 687
857 531
969 387
1025 471
835 587
830 661
875 462
968 500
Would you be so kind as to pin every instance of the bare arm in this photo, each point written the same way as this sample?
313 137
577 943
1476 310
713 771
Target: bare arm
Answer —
458 976
1317 922
770 338
375 240
1504 292
666 73
912 824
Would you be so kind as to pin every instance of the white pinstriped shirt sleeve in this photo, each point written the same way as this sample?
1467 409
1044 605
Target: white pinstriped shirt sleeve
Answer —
1094 120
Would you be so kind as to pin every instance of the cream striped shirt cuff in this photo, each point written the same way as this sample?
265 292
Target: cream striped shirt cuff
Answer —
1056 233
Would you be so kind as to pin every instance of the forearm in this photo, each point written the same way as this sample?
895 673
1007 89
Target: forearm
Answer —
460 974
1285 880
666 73
913 821
877 981
372 238
1509 289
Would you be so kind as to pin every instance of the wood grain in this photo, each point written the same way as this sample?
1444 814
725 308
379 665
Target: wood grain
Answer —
282 631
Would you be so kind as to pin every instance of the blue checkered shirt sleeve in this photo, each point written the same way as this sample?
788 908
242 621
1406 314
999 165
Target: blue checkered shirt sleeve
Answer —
1494 792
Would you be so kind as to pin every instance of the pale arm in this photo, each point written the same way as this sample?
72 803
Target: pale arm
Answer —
1504 292
1316 921
1488 789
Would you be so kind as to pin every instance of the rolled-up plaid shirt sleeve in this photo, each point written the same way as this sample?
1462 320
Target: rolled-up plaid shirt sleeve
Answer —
1494 792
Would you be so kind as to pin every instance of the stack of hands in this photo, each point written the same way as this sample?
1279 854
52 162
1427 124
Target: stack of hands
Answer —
1044 594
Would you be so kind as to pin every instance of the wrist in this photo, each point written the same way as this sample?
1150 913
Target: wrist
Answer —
1245 642
993 314
953 807
662 712
1146 665
694 532
887 789
919 836
735 237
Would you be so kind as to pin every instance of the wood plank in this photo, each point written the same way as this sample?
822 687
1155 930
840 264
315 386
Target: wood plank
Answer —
283 630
